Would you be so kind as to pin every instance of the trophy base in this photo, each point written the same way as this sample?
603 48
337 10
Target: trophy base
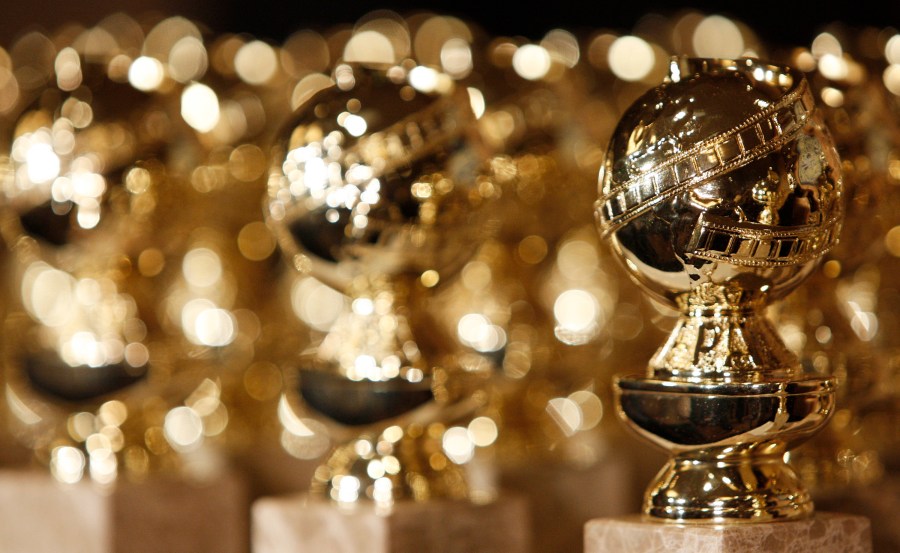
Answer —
822 533
40 515
740 489
728 441
301 524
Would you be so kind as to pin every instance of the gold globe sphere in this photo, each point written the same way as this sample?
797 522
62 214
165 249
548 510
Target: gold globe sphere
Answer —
722 178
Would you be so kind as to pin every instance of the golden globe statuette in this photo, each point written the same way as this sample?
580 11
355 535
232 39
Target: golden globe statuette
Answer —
92 386
72 220
375 192
720 191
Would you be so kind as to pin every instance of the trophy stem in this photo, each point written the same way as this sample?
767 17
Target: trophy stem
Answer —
400 463
724 343
373 340
369 375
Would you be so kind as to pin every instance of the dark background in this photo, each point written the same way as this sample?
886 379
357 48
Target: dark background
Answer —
783 22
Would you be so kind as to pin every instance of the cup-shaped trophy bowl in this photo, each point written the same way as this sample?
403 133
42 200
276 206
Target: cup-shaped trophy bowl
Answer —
721 190
374 192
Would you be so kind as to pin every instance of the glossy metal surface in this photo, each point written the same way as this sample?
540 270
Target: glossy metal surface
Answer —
67 214
728 442
75 335
720 191
373 173
125 291
375 193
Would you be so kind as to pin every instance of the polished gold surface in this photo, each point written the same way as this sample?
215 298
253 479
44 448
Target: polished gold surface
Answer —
375 192
76 196
128 298
720 191
455 326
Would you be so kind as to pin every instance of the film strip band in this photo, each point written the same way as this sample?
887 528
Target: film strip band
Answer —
409 139
756 137
755 245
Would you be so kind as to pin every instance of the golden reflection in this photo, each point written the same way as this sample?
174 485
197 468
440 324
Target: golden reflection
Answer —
598 50
136 152
531 61
563 47
389 25
315 304
68 69
188 61
255 241
891 78
630 58
201 301
841 323
256 62
832 97
458 445
456 58
9 90
309 85
163 37
183 428
433 38
355 156
303 52
117 298
826 44
577 316
67 464
33 56
370 47
833 66
482 431
892 241
717 37
478 332
200 107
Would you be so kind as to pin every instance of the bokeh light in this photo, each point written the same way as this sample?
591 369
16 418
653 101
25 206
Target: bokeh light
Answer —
631 58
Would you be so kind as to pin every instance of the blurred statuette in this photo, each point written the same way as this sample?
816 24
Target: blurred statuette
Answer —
377 190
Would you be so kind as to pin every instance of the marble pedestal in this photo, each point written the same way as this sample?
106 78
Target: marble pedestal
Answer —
300 524
879 502
41 515
824 533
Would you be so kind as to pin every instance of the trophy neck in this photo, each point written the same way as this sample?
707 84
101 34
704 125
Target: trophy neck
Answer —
401 463
724 343
373 340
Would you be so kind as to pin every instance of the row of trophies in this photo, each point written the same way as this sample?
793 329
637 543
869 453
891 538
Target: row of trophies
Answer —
376 250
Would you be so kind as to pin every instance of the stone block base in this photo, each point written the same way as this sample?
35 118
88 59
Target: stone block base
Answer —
823 533
299 524
40 515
